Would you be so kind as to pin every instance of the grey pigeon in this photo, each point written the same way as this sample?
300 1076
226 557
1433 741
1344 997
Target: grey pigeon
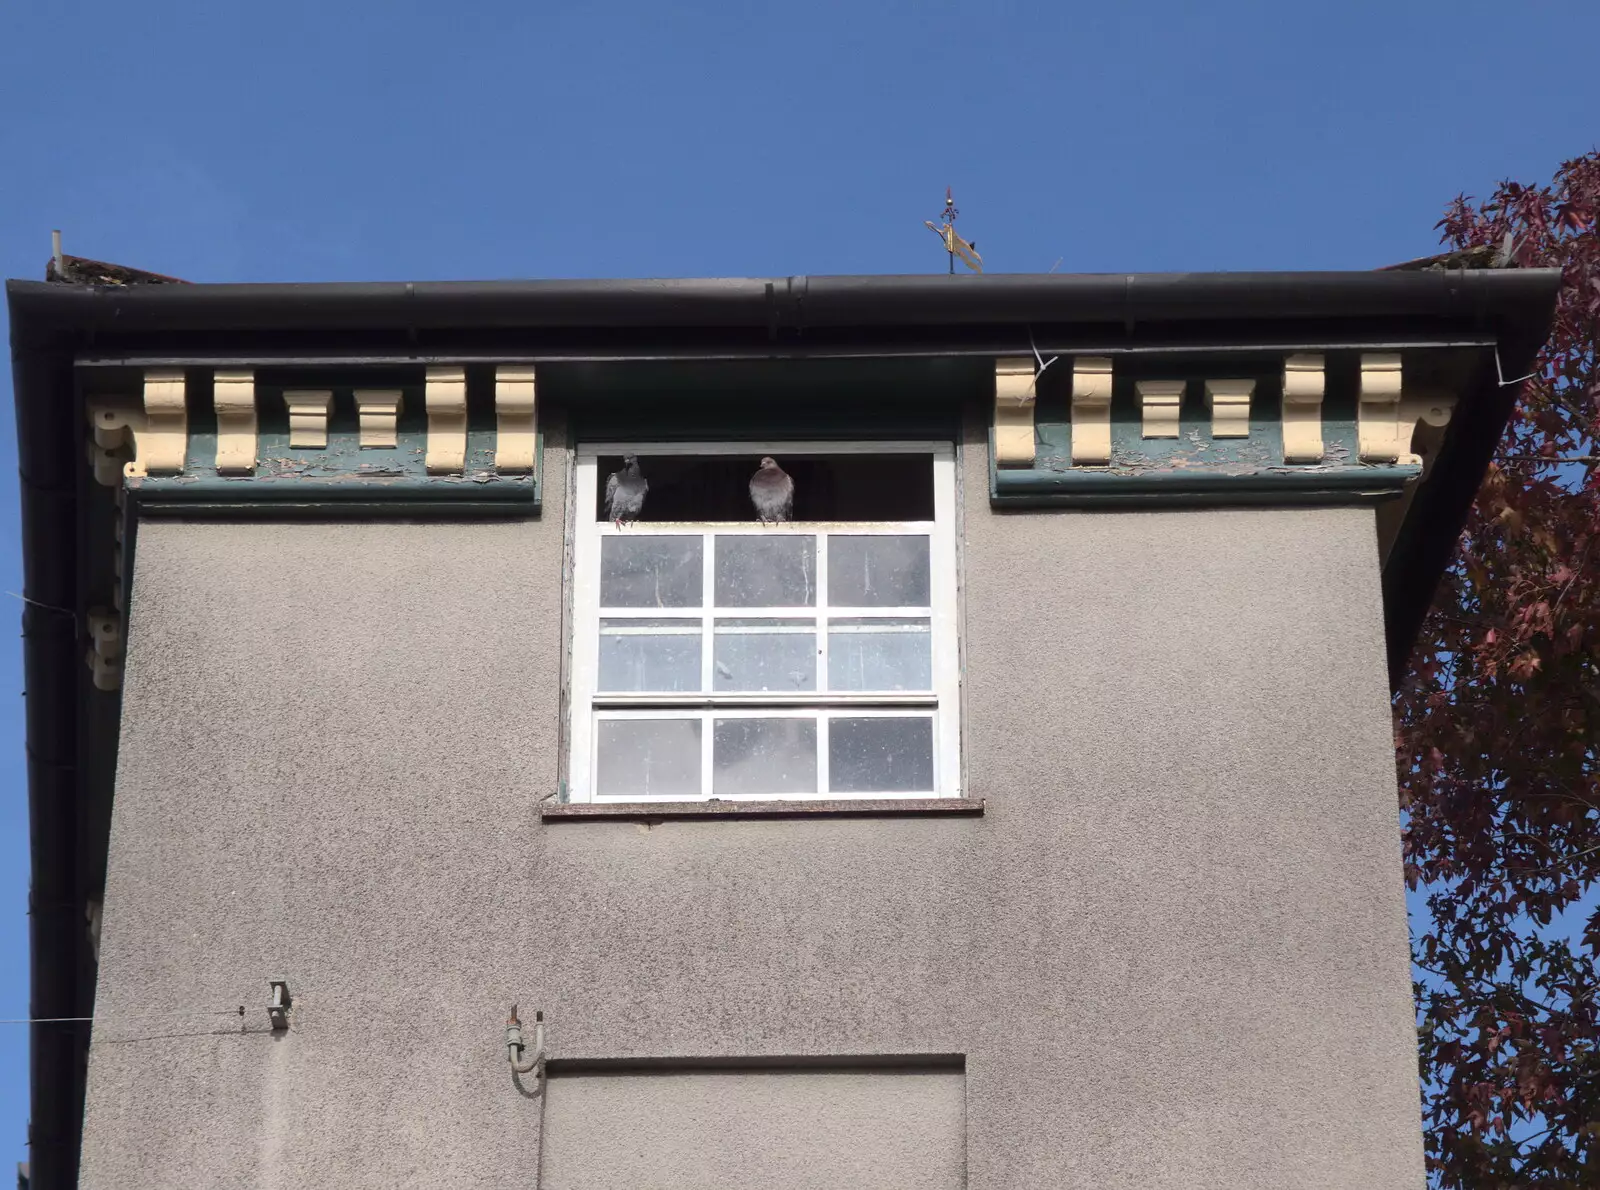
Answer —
625 491
772 492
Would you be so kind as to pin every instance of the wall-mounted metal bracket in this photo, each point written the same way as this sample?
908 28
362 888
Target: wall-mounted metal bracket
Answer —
278 1005
515 1044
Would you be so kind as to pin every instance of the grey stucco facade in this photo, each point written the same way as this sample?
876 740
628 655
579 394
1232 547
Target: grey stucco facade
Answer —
1171 953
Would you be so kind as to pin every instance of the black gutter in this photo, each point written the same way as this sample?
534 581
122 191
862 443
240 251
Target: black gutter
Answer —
52 324
1511 300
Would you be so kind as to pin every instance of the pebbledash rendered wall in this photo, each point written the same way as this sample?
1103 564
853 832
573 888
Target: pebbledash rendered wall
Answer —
1170 954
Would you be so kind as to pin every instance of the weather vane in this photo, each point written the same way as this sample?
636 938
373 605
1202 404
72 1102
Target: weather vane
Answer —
945 229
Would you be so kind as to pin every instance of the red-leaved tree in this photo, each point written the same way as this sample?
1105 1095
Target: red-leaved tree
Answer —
1497 731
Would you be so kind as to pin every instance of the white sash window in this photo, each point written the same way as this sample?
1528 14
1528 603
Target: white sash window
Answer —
720 659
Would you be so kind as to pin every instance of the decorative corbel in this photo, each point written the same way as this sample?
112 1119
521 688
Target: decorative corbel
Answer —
1303 386
516 419
112 424
105 461
1014 392
161 435
1091 411
104 657
1387 419
1378 413
1229 401
234 396
308 416
446 400
1159 403
1423 418
378 411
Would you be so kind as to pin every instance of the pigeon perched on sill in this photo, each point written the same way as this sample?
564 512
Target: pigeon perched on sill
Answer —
625 491
772 493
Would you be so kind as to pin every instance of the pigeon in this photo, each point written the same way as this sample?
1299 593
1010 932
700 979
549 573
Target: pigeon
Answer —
625 491
772 492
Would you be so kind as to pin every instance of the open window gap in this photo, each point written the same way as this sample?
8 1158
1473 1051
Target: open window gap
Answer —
715 489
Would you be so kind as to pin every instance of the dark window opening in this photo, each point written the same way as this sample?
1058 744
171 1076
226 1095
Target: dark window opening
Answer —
716 488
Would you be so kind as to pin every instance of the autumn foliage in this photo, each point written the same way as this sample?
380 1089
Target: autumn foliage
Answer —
1497 730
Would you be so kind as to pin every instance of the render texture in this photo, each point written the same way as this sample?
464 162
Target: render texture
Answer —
793 1129
1172 951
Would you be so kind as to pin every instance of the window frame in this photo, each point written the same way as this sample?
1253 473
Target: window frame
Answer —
587 705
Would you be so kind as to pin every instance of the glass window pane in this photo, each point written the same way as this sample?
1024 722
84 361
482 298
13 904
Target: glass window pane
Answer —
773 656
880 654
648 757
881 755
650 571
649 654
763 756
775 571
889 571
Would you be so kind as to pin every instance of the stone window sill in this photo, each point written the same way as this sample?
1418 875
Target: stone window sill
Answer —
833 808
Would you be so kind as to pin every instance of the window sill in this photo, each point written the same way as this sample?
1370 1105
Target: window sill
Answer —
832 808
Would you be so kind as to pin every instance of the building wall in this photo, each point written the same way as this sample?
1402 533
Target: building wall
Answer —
1172 951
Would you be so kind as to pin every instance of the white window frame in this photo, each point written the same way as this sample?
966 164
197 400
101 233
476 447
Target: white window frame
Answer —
586 703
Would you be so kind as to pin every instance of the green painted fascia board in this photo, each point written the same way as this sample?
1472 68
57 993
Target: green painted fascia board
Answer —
213 495
1085 487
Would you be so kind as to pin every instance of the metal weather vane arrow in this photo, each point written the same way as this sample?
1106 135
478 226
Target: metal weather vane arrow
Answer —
945 229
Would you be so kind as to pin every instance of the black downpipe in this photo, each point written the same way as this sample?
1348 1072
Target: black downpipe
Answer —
52 667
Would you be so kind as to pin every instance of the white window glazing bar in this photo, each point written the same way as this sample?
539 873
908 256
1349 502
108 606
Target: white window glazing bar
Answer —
784 612
821 551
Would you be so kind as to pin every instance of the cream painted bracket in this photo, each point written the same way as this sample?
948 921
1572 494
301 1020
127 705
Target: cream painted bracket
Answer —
1378 415
1387 419
308 416
159 430
378 412
446 400
1303 386
516 419
1230 407
1014 393
1160 402
234 396
1091 411
115 425
104 657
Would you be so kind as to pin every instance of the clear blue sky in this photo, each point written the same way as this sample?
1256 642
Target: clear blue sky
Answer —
296 141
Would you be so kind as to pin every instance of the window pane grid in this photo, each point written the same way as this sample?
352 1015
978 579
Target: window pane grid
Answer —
836 733
718 625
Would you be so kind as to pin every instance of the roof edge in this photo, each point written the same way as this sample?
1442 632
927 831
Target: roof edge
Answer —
1512 300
